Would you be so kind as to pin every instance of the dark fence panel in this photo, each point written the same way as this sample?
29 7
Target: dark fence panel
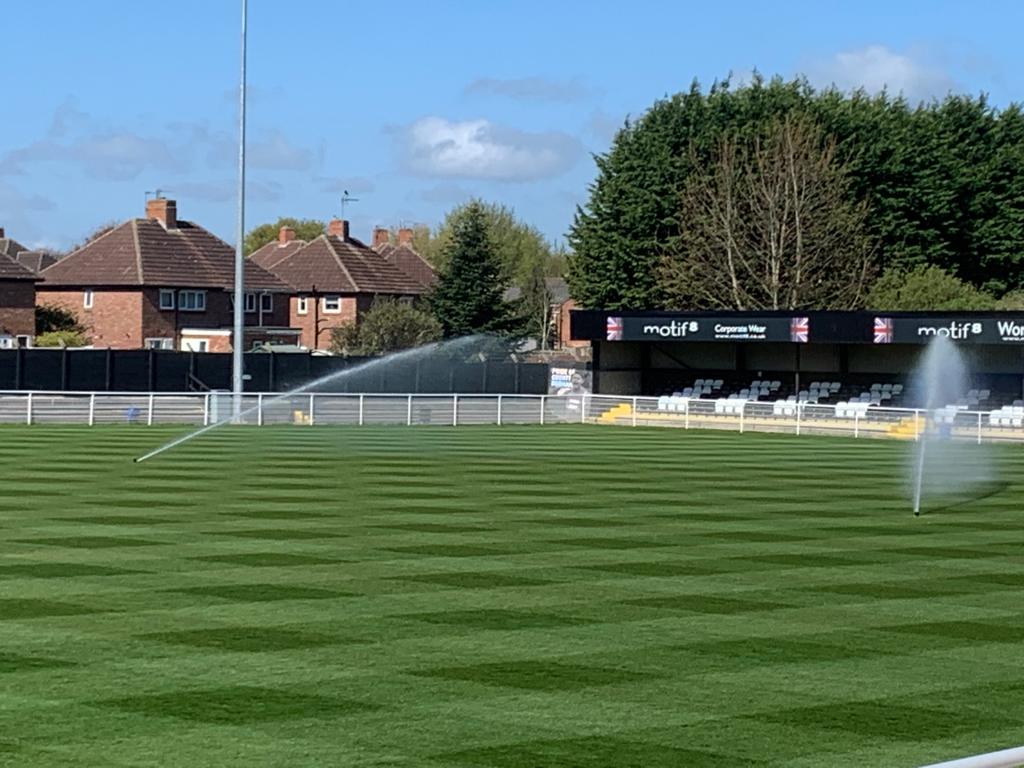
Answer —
165 371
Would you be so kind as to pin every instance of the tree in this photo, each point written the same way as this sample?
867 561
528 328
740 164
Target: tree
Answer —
305 229
468 298
944 182
769 223
62 339
926 288
524 255
388 326
95 234
50 318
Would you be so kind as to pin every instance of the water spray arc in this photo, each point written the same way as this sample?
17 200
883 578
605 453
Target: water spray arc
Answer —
453 347
940 464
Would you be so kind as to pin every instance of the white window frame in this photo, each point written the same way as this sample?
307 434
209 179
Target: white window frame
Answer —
327 310
266 302
167 293
87 298
197 298
302 305
8 342
26 345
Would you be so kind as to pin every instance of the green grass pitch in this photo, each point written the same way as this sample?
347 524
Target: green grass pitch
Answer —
512 597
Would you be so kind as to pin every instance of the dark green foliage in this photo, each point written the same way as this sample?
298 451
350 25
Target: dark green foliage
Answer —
305 229
50 318
944 182
389 326
468 298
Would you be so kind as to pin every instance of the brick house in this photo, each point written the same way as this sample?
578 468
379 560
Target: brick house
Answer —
334 279
17 297
404 256
164 283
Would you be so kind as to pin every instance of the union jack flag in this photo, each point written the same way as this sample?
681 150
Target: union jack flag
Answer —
883 330
800 329
614 329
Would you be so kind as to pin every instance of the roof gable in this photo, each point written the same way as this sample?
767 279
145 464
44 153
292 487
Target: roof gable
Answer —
142 252
329 263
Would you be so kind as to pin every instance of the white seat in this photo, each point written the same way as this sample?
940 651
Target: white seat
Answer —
718 383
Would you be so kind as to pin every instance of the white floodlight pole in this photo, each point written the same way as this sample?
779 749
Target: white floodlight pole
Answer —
237 382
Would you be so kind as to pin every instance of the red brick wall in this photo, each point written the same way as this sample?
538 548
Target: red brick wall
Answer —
124 319
316 316
18 307
114 321
564 331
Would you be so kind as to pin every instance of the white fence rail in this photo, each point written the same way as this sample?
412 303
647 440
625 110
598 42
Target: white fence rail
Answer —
323 409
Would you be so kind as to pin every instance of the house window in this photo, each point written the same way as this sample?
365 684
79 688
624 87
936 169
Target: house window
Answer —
87 298
302 306
25 341
195 345
192 301
267 302
159 343
332 305
6 342
166 298
407 300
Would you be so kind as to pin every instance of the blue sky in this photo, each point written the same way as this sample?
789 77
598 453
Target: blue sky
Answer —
411 106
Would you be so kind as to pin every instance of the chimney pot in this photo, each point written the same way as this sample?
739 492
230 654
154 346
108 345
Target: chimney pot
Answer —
285 235
405 236
338 228
163 210
381 236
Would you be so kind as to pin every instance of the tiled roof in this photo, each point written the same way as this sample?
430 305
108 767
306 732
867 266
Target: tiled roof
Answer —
272 253
330 264
36 261
141 252
10 269
410 262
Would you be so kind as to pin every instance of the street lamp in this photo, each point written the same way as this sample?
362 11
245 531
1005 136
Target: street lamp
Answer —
239 333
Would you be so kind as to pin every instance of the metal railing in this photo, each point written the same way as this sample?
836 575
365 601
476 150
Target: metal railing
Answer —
325 408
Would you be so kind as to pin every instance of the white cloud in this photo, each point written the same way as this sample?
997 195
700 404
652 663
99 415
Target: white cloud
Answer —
875 68
531 89
277 153
479 149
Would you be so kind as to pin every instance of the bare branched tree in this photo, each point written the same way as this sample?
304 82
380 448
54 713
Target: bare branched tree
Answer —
769 223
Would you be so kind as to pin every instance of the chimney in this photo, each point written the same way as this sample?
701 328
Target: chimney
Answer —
405 236
338 228
381 236
163 210
284 236
1 233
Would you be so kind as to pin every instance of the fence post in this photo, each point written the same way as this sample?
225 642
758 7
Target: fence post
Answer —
361 397
455 410
206 409
686 414
634 411
583 409
856 423
259 407
499 410
917 425
92 409
799 412
312 405
408 412
28 410
542 409
149 411
743 410
979 427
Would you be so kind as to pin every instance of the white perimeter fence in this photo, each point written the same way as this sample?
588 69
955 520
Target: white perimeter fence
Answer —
319 409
